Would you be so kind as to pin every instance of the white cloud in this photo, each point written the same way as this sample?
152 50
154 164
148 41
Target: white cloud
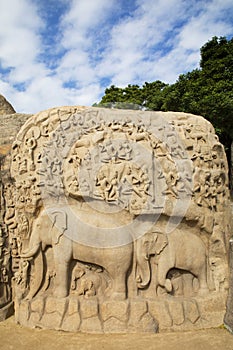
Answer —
19 39
210 22
100 40
82 17
133 51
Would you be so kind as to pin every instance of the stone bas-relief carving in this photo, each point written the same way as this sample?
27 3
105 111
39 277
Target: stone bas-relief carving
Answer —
118 221
6 305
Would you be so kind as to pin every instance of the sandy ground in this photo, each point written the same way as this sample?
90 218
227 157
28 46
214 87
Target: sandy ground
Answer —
13 336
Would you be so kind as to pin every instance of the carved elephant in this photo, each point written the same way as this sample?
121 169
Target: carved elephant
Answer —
116 260
178 249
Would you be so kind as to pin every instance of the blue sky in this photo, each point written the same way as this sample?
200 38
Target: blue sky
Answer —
66 52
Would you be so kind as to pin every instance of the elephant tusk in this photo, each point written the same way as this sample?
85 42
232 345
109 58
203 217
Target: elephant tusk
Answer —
138 279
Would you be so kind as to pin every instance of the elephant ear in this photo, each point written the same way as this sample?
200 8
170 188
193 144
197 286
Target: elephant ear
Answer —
59 224
161 242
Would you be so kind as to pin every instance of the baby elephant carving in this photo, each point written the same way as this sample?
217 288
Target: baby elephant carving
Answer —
178 249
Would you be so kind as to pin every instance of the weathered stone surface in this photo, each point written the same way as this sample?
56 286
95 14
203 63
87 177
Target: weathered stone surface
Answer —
92 325
71 322
147 324
73 306
114 325
140 319
37 305
228 318
138 308
118 220
159 310
23 313
6 311
88 308
51 321
191 310
5 106
34 319
116 309
10 125
55 305
176 311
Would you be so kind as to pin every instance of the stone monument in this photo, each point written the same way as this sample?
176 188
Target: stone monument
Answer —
118 221
10 124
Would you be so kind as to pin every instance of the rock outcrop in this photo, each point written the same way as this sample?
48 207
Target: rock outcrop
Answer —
5 106
113 221
118 221
10 124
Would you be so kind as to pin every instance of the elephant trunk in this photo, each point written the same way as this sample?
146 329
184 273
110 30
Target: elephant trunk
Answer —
34 252
143 273
38 274
30 252
143 268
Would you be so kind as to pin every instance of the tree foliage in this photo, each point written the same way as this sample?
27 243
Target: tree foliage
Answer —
208 91
149 96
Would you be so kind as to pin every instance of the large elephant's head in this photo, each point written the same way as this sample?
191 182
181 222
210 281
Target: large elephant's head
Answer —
46 230
152 243
58 226
160 241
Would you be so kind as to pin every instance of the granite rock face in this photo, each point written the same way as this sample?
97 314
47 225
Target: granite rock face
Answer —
10 124
228 319
118 221
5 106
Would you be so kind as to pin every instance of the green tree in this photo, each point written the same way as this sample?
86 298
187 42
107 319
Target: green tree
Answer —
153 95
208 91
149 96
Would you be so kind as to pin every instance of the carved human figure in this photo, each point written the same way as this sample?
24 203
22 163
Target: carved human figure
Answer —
102 184
31 144
73 185
112 189
171 182
23 226
23 165
125 151
176 149
108 152
203 187
132 179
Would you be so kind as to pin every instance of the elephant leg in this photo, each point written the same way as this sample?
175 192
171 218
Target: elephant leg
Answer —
118 266
202 278
163 268
61 280
118 286
62 257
